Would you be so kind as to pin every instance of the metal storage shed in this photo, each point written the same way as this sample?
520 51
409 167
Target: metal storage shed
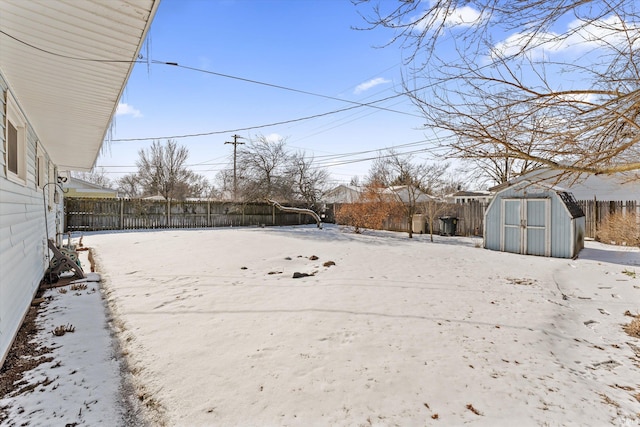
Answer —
534 219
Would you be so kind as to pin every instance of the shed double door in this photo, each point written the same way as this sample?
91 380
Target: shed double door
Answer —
526 226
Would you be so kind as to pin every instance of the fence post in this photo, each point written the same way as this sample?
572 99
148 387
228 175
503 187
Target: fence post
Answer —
121 214
594 217
168 213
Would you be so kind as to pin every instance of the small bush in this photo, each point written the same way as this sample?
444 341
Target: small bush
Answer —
633 328
620 229
362 215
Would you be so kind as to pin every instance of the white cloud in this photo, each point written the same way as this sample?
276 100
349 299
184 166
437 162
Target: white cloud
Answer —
516 43
465 16
581 37
125 109
273 137
586 98
369 84
605 32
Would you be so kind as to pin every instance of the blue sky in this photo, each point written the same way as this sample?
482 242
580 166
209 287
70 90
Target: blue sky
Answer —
244 64
306 45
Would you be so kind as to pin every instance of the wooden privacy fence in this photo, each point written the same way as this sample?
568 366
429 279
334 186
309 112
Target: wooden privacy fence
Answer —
83 214
469 219
597 211
471 216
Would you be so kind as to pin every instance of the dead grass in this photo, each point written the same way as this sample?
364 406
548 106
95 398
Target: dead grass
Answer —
474 410
633 329
620 229
606 399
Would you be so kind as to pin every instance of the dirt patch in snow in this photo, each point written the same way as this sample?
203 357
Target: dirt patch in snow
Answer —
25 354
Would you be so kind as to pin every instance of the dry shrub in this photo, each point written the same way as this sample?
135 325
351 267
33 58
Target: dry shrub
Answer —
369 212
633 328
362 215
620 229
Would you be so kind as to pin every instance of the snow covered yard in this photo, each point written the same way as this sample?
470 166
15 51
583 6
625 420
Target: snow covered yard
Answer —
398 332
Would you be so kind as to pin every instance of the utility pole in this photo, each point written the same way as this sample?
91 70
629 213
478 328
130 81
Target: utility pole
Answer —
235 179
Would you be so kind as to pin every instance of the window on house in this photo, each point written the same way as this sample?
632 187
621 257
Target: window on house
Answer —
16 142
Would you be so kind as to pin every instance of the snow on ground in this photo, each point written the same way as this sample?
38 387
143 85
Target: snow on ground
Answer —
81 383
398 332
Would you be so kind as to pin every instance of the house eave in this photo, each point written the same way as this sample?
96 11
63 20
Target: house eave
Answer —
58 59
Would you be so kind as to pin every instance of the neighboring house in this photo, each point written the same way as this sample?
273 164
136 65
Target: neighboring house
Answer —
351 194
617 187
156 198
401 193
343 194
470 196
75 187
58 93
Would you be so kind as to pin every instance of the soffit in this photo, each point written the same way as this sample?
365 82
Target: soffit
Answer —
67 63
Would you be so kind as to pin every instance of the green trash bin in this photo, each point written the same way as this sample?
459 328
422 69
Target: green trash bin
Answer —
448 225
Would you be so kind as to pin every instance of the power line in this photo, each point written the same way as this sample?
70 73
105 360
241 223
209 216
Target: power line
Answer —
201 70
253 81
290 89
326 161
75 58
315 116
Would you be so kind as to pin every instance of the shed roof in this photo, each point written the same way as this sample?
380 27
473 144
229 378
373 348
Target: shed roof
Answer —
575 210
567 198
67 63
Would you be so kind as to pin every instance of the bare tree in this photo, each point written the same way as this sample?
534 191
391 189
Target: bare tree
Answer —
433 209
264 170
224 183
564 73
129 186
194 185
408 183
492 160
310 181
96 176
162 171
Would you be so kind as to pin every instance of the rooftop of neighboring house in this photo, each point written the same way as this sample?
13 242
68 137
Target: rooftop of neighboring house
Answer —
477 193
619 186
76 187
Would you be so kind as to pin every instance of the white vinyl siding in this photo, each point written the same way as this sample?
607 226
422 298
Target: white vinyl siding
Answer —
22 229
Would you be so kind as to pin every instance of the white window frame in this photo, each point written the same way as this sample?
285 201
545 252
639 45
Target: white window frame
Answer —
18 121
52 188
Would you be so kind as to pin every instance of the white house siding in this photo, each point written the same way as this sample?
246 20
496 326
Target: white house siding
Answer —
22 233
